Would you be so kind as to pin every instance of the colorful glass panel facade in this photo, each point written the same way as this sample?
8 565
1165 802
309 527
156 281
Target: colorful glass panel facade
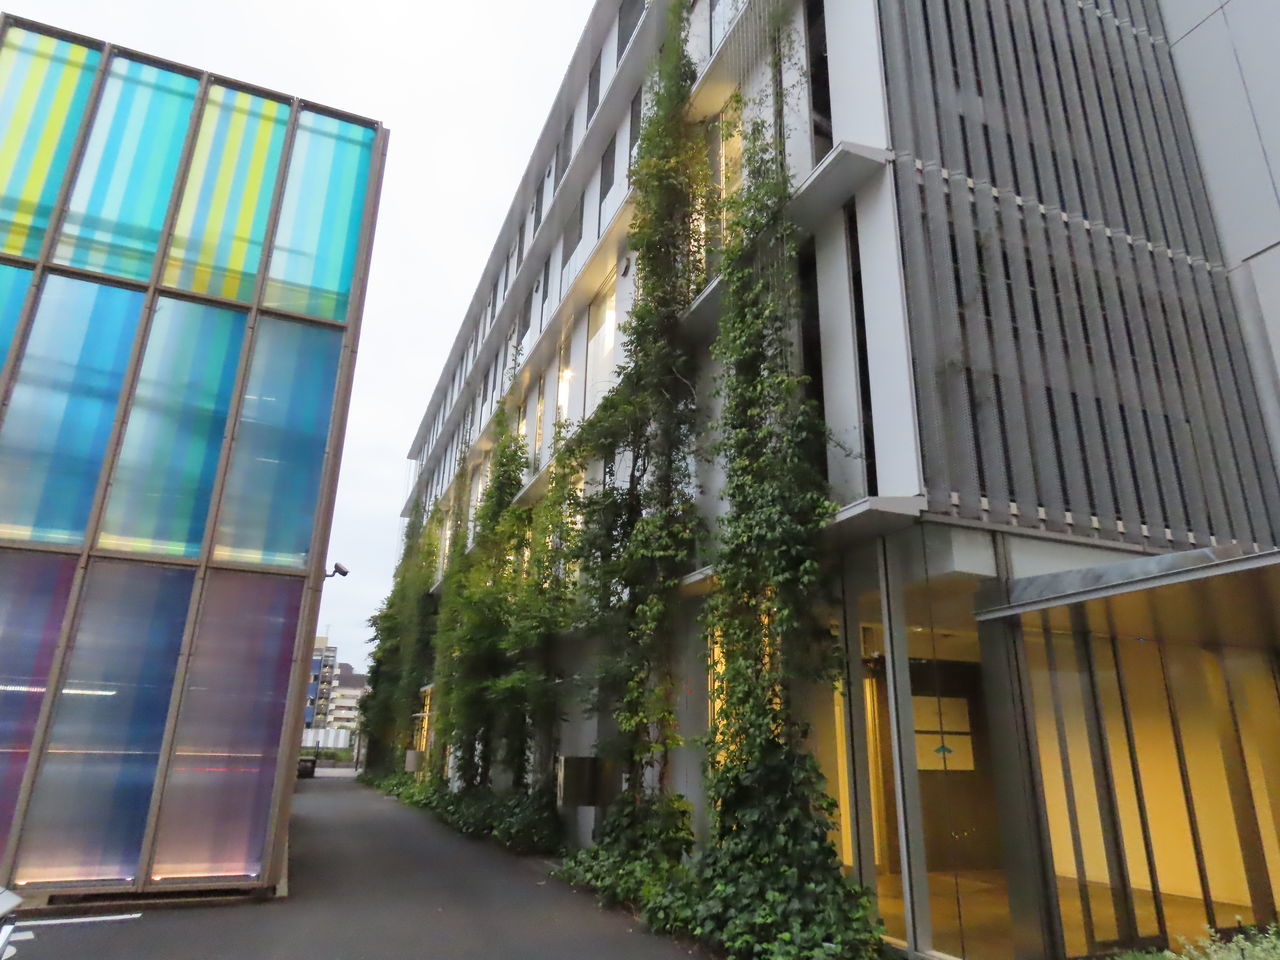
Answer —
217 241
130 418
164 476
55 432
217 799
13 290
33 598
117 208
314 255
92 793
45 84
268 509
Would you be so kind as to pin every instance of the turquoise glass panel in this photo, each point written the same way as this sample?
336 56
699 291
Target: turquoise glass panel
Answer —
44 90
92 794
60 414
117 208
13 290
163 480
314 255
217 798
33 598
273 483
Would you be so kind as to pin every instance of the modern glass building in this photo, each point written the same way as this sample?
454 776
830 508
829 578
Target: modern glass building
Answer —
182 269
1038 319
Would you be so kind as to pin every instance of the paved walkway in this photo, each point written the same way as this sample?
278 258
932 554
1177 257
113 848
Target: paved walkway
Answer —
372 879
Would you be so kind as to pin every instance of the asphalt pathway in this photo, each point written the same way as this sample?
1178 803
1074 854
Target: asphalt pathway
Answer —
372 879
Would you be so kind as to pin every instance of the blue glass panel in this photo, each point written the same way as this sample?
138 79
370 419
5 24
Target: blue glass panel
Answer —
269 505
89 805
217 798
314 255
164 476
117 207
56 429
33 599
13 290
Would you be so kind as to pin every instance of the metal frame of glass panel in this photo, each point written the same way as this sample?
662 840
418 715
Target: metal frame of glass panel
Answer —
312 575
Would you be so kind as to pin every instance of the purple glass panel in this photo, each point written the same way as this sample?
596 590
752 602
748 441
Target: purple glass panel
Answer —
217 799
33 599
89 805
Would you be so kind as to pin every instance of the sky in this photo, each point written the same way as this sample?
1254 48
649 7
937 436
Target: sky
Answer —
464 89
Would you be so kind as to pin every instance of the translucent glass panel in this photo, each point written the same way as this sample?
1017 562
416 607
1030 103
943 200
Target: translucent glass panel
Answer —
273 484
117 207
217 799
44 89
63 404
222 219
164 477
33 599
13 290
314 254
89 807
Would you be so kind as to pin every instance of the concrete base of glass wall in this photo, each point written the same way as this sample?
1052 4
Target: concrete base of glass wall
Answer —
1071 782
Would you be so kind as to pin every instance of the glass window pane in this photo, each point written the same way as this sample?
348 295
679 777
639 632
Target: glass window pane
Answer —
216 807
13 290
91 797
44 89
122 191
60 414
602 334
314 254
164 477
33 598
217 237
269 505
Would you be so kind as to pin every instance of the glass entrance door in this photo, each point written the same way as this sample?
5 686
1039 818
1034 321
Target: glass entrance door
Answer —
1155 725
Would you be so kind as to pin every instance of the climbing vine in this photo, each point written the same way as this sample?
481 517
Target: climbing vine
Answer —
769 853
640 523
404 655
602 555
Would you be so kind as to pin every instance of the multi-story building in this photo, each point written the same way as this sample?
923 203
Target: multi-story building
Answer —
344 698
324 661
182 270
1058 498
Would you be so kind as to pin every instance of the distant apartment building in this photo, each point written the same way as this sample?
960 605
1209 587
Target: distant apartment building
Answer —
182 273
344 698
1040 319
324 662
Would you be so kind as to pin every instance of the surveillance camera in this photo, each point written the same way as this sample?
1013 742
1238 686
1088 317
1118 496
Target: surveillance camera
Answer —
340 570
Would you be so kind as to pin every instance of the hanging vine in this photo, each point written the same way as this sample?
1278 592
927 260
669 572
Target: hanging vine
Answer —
640 523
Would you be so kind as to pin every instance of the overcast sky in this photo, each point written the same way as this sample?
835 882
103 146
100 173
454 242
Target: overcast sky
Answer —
464 89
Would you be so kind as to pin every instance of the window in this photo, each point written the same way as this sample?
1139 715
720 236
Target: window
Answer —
628 19
607 163
520 247
602 334
573 233
537 201
537 421
637 122
526 319
593 88
565 150
564 389
546 280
